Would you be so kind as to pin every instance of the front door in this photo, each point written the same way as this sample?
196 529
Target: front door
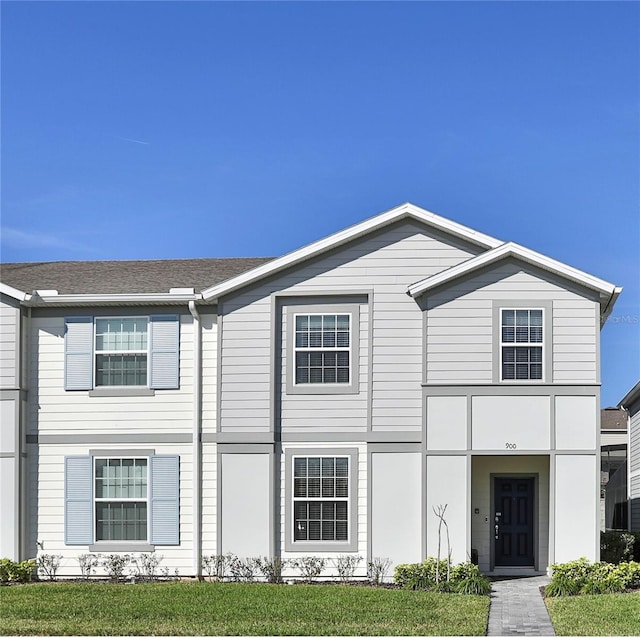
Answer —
513 522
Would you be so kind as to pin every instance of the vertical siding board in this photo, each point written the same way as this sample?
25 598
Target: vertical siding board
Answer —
78 500
165 500
78 353
164 352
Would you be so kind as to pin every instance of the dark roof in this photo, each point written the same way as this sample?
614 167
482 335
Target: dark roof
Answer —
126 277
613 419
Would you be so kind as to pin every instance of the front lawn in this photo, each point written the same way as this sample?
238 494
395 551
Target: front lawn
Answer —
235 609
596 615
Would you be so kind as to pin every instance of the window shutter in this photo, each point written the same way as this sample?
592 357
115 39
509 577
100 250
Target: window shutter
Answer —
165 500
78 500
164 368
78 353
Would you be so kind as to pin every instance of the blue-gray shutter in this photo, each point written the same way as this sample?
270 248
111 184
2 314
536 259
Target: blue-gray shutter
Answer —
164 350
78 353
165 500
78 500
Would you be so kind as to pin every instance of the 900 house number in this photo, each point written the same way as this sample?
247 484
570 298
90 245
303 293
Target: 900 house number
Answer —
510 446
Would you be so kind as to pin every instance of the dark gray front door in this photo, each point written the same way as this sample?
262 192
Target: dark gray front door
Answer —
513 521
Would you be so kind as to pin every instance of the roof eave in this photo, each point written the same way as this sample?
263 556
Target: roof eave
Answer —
631 397
404 211
113 299
14 293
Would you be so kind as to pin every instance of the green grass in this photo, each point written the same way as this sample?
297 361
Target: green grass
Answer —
596 615
235 609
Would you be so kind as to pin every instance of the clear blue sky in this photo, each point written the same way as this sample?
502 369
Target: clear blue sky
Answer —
200 129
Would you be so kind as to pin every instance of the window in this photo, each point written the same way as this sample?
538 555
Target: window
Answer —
521 344
121 499
322 348
130 355
121 351
321 499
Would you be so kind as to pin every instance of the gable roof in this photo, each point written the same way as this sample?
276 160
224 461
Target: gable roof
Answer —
608 292
404 211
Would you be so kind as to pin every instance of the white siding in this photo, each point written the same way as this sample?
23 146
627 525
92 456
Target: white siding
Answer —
576 489
75 412
8 493
447 479
634 471
385 263
9 330
245 505
396 507
47 490
461 334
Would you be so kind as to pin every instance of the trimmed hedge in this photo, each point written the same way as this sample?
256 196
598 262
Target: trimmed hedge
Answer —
431 575
11 572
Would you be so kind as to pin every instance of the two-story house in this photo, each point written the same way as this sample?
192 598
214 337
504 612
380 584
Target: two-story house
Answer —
320 403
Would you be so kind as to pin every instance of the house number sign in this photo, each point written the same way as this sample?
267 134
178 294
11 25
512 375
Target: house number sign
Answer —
510 446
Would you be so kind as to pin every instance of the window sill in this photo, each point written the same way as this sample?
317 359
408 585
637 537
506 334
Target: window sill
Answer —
122 392
321 546
323 388
125 546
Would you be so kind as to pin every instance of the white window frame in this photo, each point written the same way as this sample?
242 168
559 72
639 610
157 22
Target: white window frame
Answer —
97 499
522 344
351 542
97 352
352 310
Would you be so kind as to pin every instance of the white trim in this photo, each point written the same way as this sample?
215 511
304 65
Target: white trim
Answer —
404 211
100 299
608 291
10 291
521 344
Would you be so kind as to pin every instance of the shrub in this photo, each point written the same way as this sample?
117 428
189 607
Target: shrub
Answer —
243 570
217 566
48 565
465 578
630 574
271 568
618 546
582 577
115 564
12 572
310 567
377 569
88 564
146 566
345 565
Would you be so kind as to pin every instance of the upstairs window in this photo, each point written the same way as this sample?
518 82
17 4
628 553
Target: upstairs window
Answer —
121 351
322 349
521 344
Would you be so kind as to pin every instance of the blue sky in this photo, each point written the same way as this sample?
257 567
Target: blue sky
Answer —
135 130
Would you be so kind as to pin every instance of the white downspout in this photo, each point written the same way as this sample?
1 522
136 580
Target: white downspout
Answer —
196 452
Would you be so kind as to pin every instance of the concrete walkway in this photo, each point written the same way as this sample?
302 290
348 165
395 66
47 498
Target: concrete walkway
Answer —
517 608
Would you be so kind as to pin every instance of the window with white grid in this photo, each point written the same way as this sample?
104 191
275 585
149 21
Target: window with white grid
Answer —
521 344
120 497
121 351
320 498
322 349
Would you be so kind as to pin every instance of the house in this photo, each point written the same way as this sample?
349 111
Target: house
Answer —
631 402
326 402
614 436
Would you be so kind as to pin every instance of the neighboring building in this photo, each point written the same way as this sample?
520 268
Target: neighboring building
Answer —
614 438
631 402
320 403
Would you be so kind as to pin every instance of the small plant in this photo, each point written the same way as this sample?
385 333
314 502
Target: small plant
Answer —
420 575
310 567
243 570
48 565
146 566
11 571
583 577
115 564
377 570
88 564
271 568
464 578
467 579
346 565
217 566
